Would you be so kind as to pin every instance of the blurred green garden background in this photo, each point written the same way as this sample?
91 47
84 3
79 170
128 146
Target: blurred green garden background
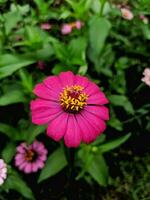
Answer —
105 40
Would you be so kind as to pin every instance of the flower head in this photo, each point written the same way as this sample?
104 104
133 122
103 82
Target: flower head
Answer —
46 26
126 14
78 24
30 158
66 29
146 78
72 106
3 171
144 19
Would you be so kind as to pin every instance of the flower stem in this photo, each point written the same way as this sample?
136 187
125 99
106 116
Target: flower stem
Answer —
71 161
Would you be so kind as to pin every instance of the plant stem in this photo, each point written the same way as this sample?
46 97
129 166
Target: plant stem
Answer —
71 160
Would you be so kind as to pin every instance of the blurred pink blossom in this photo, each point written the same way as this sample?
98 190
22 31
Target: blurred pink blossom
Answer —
146 78
66 29
144 19
3 171
46 26
30 158
126 14
41 64
78 24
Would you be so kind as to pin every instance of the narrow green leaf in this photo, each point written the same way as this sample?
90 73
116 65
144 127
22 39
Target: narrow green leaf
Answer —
8 152
98 170
113 144
8 130
14 96
10 63
55 163
34 132
121 100
15 182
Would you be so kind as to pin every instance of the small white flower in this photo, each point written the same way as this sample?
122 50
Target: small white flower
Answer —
3 171
146 78
126 14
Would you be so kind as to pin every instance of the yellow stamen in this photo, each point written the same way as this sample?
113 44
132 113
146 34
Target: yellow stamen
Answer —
73 99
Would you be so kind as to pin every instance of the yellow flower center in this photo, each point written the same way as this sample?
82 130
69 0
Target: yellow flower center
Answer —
73 99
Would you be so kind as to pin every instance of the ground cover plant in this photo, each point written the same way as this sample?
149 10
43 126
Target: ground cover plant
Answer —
74 99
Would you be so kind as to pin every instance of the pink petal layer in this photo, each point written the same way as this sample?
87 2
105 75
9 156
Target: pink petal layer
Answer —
44 92
42 115
97 99
92 89
40 103
72 136
66 78
53 83
100 111
28 168
57 128
95 121
81 80
88 132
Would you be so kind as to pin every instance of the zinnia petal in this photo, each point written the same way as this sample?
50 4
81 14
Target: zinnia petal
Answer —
100 111
57 128
53 83
66 78
88 132
44 92
72 136
97 99
95 121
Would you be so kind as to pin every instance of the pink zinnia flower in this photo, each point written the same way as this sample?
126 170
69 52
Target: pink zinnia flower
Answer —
30 158
72 106
3 171
46 26
66 29
126 14
146 78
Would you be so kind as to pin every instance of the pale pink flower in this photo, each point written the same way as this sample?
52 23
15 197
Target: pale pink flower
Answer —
146 78
3 171
30 158
72 106
66 29
144 19
126 14
46 26
78 24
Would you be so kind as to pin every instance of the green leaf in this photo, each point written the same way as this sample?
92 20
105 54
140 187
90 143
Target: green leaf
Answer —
55 163
8 130
11 20
14 96
121 100
76 51
34 131
98 31
113 144
10 63
115 123
98 170
9 152
15 182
